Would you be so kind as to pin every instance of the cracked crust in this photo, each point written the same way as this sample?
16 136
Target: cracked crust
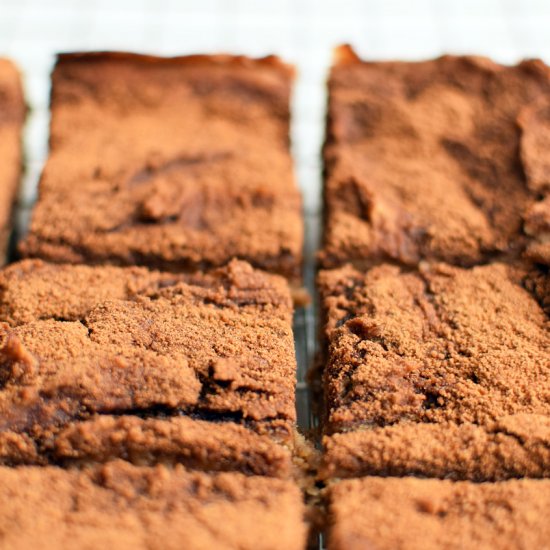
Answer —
216 347
426 514
128 507
12 116
189 168
438 160
443 372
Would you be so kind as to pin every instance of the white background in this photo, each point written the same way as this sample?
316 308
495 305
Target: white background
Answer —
302 31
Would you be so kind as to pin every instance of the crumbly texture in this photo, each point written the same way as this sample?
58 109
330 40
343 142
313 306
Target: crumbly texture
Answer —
216 347
429 514
438 160
127 507
33 290
12 116
535 144
197 444
189 167
440 372
511 447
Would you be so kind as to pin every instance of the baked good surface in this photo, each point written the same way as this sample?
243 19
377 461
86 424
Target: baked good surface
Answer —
439 372
189 167
12 116
198 444
441 160
83 348
423 514
130 507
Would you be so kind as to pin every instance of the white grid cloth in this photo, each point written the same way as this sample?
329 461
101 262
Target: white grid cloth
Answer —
303 32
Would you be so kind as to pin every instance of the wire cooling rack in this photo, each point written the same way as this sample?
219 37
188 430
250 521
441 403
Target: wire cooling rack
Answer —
301 31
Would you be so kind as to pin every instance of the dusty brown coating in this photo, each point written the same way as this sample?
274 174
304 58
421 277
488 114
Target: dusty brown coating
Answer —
457 360
429 514
127 507
440 160
176 164
514 446
216 346
33 290
535 124
12 115
197 444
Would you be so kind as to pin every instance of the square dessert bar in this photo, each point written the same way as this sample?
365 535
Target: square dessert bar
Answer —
426 514
122 506
173 163
441 372
107 362
12 116
443 160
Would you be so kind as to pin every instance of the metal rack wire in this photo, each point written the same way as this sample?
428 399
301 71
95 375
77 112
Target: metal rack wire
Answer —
301 31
